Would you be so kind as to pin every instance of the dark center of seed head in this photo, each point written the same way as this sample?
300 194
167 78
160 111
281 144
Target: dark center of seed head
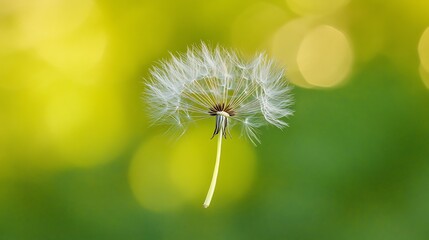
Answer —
221 107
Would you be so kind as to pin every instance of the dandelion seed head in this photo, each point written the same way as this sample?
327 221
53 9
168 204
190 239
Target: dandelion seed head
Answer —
206 82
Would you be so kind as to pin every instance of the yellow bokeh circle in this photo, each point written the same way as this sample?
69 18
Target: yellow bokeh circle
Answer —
39 20
285 44
325 57
149 176
84 127
423 49
192 163
166 175
314 55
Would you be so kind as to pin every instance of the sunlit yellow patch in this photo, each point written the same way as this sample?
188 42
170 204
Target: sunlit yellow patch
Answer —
76 54
150 179
85 126
423 49
192 163
304 7
325 57
40 20
66 35
61 124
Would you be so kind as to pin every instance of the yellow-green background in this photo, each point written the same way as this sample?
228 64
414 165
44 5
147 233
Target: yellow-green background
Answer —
79 160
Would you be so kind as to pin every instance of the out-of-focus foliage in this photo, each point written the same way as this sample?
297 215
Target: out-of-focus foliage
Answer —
79 160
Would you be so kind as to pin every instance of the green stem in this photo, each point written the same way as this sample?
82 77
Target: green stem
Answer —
216 170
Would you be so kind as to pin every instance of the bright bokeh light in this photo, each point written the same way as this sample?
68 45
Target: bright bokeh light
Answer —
149 176
92 115
164 175
41 20
285 44
315 7
192 166
253 28
76 54
64 111
314 56
325 57
423 49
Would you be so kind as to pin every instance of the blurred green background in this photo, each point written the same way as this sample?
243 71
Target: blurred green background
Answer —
78 159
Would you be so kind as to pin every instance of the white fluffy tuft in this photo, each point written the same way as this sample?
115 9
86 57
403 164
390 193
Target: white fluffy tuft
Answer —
184 88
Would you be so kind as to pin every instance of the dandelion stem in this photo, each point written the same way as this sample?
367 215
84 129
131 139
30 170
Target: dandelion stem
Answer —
215 171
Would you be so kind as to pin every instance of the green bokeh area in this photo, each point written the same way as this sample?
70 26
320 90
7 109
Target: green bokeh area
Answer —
353 163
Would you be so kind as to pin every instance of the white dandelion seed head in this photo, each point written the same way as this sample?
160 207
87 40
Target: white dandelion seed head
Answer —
206 82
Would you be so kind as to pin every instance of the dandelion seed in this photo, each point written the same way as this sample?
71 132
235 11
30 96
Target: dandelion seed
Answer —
217 83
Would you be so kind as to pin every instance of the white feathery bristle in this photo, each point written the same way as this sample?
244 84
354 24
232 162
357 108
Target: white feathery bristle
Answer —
186 87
